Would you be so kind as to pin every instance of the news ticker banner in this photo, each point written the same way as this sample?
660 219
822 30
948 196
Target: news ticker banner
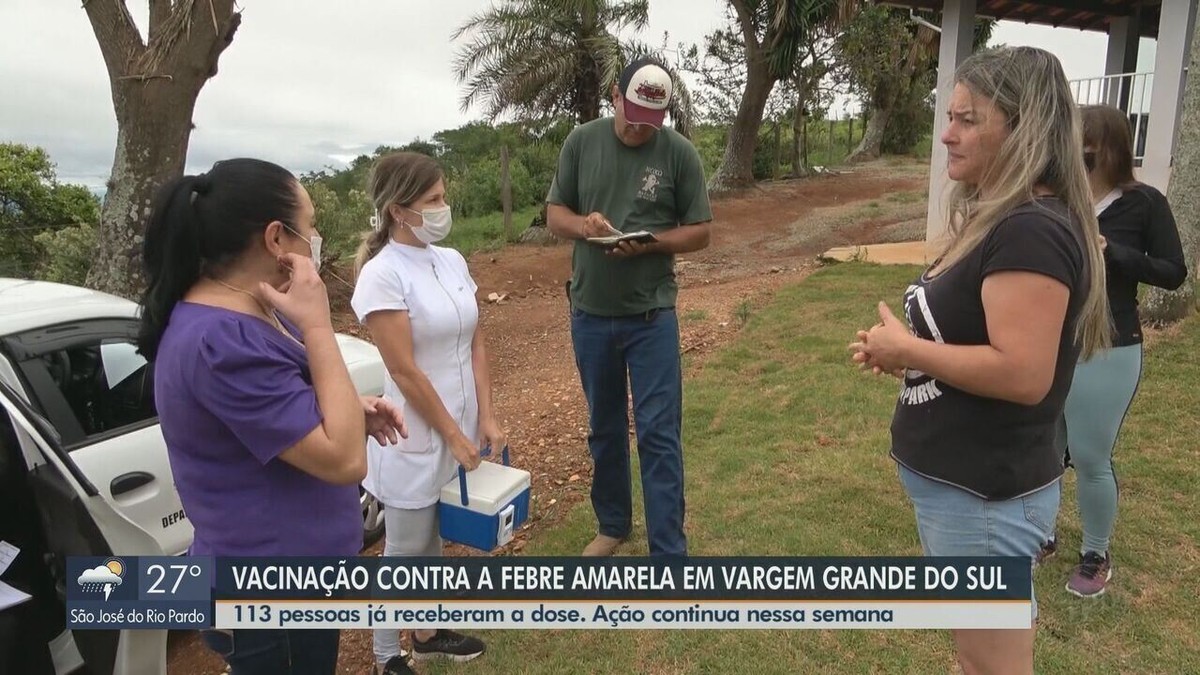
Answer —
533 593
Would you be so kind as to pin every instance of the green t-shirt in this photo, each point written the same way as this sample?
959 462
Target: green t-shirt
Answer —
654 187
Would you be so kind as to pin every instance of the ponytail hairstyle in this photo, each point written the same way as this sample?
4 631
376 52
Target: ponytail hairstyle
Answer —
199 225
396 178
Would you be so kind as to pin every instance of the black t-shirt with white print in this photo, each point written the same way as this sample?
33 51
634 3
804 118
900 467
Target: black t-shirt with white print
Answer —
992 448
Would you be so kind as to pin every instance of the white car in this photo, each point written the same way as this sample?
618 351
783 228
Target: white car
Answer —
79 408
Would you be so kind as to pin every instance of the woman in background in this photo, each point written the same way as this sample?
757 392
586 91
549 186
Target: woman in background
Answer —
1141 245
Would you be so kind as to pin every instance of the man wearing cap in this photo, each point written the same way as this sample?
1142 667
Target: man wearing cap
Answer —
626 174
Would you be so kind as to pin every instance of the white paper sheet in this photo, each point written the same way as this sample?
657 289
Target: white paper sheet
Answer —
7 553
10 596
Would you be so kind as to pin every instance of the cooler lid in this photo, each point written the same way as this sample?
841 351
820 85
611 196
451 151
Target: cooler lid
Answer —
489 487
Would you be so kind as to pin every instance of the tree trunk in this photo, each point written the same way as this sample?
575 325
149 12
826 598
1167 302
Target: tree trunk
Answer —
778 150
804 163
1183 193
829 160
154 89
798 163
506 193
590 93
872 138
153 127
737 164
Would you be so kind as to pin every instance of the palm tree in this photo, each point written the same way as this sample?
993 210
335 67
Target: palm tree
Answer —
539 59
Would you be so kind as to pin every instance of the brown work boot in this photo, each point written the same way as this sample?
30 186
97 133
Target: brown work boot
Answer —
602 546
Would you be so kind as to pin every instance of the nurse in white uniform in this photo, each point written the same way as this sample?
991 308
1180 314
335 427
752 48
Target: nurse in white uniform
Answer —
418 300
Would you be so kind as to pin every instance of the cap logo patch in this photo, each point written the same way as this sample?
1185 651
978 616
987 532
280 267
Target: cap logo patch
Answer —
651 93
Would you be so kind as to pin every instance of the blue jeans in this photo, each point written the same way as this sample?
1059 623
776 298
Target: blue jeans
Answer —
275 652
645 349
954 522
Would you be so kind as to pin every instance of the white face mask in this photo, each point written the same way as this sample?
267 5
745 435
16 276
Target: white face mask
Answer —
435 224
314 245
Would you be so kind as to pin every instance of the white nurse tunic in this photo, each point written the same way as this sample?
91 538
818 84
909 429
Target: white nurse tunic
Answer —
434 286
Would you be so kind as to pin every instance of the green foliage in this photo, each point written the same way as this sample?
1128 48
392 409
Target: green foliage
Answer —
545 58
476 190
709 140
721 69
911 119
890 63
764 154
68 253
486 232
541 60
823 150
32 201
342 219
873 49
470 158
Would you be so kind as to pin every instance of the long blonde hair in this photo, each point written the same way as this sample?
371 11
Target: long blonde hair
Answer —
1044 147
396 178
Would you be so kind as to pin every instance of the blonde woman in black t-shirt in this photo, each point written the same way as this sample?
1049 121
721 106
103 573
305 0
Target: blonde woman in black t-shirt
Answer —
995 326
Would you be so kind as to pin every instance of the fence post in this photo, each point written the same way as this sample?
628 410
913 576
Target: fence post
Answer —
778 152
829 160
804 144
506 193
850 136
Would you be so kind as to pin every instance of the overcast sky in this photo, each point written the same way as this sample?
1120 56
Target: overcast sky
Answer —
313 83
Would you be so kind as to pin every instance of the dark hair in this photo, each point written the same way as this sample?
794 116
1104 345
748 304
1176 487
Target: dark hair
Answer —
200 224
1106 129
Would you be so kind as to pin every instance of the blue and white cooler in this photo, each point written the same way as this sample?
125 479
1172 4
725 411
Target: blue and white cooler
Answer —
483 508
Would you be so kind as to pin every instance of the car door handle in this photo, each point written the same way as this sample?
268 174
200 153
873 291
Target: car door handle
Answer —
128 482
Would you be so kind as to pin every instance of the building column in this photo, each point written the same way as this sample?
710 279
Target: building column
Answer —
1166 99
958 33
1121 58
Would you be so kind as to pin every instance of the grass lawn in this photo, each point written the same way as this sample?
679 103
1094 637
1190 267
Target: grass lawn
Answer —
786 446
486 233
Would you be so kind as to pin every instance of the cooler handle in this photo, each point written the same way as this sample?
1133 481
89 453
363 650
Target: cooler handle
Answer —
462 473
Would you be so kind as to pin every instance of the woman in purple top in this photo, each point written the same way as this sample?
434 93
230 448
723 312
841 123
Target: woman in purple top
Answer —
264 429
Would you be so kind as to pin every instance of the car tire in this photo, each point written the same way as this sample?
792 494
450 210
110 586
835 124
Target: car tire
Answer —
372 511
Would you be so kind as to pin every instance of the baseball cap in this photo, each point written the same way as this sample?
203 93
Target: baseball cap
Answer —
645 87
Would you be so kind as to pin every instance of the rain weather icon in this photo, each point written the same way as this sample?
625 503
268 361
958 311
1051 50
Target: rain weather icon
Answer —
103 578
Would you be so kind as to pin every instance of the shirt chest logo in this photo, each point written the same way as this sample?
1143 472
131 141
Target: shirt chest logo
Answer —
918 387
651 179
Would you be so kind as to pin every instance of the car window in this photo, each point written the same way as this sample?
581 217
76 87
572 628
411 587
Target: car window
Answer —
119 360
106 384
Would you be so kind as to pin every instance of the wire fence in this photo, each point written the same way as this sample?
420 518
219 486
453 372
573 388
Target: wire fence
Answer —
818 143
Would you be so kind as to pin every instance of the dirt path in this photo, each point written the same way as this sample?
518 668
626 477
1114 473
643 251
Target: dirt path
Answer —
762 239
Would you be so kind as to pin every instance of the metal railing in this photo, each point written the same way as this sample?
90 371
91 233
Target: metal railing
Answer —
1129 92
